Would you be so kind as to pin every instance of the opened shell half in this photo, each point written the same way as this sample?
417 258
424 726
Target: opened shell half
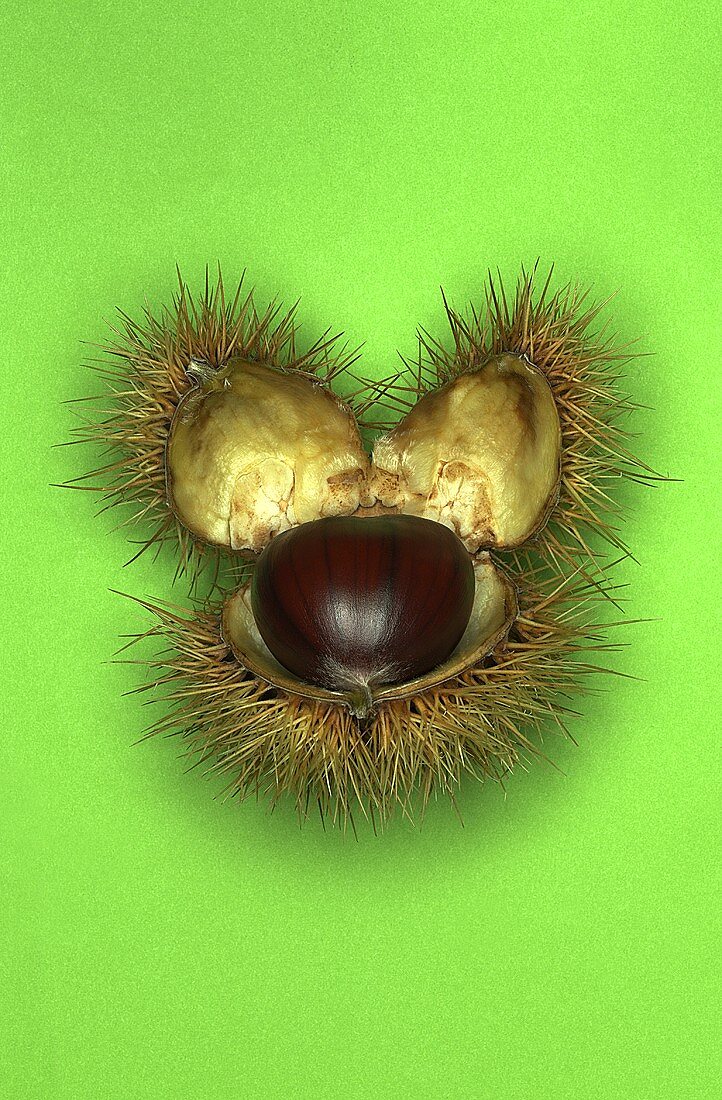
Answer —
493 612
254 450
482 454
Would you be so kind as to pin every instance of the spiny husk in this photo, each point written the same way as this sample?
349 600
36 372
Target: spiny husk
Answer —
557 332
144 371
270 743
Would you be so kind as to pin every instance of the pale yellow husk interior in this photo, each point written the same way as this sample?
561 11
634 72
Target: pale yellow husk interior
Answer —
254 450
480 455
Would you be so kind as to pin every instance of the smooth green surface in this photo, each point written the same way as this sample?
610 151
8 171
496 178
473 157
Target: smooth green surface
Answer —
158 943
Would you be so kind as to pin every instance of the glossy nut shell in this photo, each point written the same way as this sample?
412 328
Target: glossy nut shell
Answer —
349 601
493 611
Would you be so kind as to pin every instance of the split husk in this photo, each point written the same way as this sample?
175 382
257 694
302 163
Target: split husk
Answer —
558 331
270 742
145 371
480 454
254 450
264 733
551 333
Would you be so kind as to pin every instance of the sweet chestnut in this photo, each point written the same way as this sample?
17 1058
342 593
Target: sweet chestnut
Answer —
349 602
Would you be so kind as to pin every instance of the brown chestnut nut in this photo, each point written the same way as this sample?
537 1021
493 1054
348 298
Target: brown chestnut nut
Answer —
349 602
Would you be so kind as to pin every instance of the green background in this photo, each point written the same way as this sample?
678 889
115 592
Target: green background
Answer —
159 943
